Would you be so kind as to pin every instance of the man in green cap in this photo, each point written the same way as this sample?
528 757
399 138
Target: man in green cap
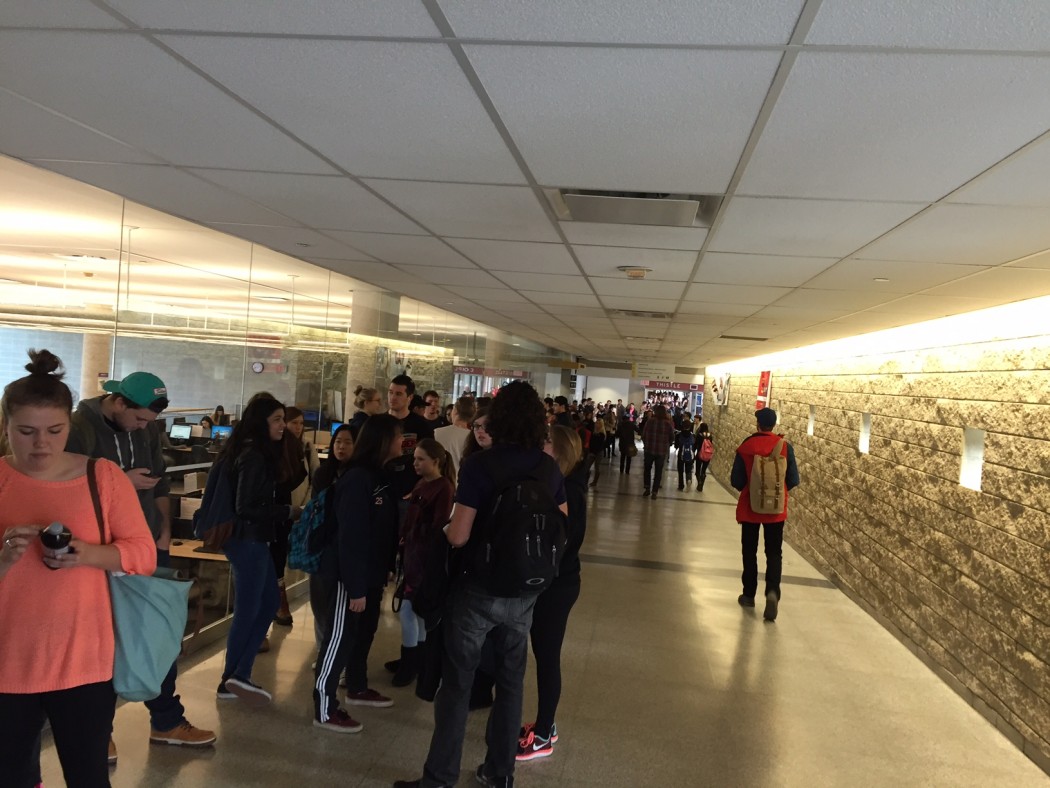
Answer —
121 426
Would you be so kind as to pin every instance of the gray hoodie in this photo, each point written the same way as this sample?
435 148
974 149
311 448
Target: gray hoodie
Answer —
92 435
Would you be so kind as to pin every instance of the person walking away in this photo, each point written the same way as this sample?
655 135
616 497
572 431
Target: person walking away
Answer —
705 450
357 561
57 647
761 443
121 427
252 457
550 617
430 505
685 448
657 434
599 441
625 435
516 424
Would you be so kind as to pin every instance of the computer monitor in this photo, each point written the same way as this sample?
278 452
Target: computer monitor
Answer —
180 432
336 425
220 433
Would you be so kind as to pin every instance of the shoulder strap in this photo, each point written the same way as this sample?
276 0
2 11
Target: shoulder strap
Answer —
95 500
778 447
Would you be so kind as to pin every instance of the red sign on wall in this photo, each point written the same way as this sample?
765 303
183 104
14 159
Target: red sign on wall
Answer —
671 385
764 380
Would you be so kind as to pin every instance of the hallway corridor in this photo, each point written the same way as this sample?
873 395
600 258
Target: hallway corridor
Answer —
668 682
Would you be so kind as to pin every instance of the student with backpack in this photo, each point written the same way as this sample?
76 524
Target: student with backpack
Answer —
429 506
685 445
763 471
356 563
705 450
509 518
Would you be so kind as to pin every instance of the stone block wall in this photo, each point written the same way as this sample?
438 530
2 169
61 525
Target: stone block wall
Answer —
962 577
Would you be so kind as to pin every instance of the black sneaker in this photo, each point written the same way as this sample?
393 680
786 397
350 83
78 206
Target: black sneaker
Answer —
223 692
492 782
746 601
770 613
645 493
248 691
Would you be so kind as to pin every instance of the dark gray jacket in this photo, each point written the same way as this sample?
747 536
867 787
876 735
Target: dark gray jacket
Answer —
92 435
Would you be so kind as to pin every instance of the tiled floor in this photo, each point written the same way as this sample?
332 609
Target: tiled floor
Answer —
667 683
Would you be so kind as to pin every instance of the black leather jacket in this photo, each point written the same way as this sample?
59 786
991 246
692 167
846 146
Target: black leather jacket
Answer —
255 486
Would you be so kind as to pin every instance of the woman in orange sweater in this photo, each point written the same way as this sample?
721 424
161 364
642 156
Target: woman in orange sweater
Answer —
56 624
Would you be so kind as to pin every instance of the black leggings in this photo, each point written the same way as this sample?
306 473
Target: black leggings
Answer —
81 719
549 619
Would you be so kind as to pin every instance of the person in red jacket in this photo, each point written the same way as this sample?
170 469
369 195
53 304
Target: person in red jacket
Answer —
762 442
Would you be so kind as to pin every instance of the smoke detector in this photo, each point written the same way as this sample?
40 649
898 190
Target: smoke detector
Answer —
634 271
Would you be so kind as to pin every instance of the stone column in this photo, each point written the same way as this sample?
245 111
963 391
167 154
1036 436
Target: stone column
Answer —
96 361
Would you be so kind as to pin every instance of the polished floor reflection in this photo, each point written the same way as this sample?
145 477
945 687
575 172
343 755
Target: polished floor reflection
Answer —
668 682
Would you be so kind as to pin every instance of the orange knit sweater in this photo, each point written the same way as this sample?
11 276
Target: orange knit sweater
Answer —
56 626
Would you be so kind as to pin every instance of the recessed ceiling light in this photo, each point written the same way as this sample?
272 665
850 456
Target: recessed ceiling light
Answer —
517 344
82 258
880 279
634 271
303 244
416 334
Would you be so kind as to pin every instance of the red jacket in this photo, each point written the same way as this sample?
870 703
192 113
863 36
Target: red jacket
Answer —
760 443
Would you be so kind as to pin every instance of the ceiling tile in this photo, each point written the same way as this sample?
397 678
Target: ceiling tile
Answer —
392 110
58 14
965 235
295 241
29 132
671 266
929 124
320 17
577 312
1014 284
804 228
517 256
319 201
736 294
407 249
958 24
367 270
1021 181
114 87
624 21
635 236
629 288
716 308
1039 260
563 284
633 302
548 298
582 108
904 277
510 213
926 307
835 299
759 269
171 190
486 295
453 277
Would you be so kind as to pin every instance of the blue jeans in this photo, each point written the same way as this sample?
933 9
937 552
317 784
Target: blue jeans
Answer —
413 629
473 615
255 603
166 710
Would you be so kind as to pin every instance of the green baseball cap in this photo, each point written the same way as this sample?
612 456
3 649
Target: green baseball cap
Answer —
145 389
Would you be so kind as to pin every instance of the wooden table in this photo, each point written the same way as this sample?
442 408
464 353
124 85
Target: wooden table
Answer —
186 548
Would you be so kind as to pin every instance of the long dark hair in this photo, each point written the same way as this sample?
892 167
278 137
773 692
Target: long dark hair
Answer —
42 387
373 441
437 453
253 432
517 416
471 446
330 467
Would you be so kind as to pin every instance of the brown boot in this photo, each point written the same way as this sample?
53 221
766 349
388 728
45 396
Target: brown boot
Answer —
284 615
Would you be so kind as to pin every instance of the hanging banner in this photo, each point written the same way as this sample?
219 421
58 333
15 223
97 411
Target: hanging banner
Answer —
671 385
762 401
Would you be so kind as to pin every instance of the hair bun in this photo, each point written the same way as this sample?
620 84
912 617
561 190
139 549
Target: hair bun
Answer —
358 390
44 362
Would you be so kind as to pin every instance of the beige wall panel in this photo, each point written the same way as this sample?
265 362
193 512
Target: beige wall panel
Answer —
1013 451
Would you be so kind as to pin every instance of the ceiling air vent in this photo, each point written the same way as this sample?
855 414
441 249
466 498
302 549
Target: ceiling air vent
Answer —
652 208
639 313
744 339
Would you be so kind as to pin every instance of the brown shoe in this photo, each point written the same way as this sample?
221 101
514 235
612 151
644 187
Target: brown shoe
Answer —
264 646
184 735
284 614
112 757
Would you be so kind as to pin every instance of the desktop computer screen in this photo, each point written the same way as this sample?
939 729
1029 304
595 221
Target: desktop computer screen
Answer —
336 425
220 433
180 432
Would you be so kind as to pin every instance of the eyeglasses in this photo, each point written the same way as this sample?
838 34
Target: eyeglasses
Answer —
480 427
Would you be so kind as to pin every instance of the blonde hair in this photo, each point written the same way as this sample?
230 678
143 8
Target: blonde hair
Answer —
363 396
568 448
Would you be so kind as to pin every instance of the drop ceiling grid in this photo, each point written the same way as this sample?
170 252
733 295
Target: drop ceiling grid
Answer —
218 132
570 93
378 109
321 17
1020 181
518 256
751 269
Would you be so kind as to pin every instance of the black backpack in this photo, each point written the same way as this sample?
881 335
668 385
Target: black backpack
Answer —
520 540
